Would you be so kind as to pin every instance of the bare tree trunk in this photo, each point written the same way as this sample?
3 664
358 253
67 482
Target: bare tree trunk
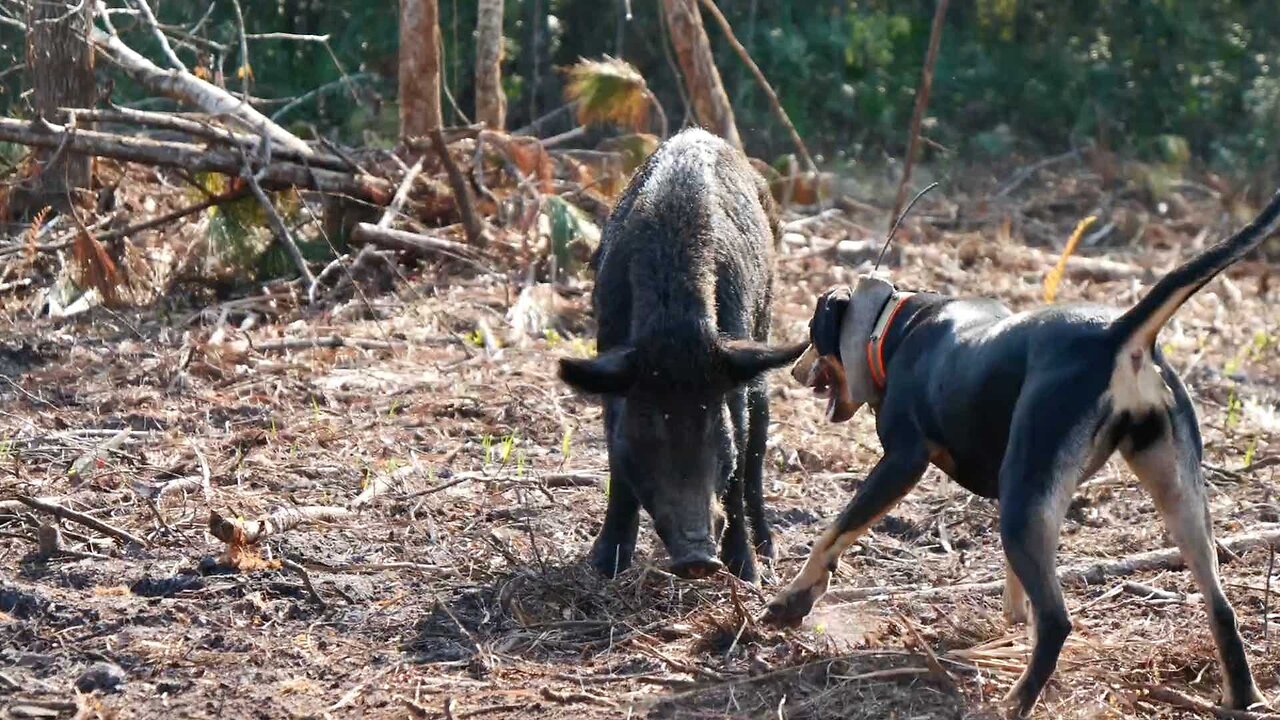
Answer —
491 103
60 65
693 50
419 67
769 92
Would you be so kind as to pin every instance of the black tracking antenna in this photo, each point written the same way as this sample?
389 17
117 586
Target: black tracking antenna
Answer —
898 222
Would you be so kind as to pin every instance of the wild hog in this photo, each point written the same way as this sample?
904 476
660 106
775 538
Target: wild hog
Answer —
684 277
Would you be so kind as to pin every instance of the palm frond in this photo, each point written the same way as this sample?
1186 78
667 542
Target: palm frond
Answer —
609 90
1055 275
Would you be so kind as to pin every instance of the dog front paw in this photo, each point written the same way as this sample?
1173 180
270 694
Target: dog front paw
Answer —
790 607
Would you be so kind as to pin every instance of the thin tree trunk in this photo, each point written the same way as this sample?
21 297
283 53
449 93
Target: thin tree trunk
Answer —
491 103
532 52
60 64
711 105
922 102
774 102
419 68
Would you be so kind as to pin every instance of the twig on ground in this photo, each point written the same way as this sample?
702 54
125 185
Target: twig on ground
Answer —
679 665
206 476
576 697
414 244
306 581
1148 592
1178 699
233 531
325 341
1166 559
83 462
930 658
70 515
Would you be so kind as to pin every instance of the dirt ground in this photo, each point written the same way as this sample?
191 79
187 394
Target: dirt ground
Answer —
456 588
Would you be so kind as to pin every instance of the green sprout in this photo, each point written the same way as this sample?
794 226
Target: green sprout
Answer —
1260 342
507 444
1234 407
566 442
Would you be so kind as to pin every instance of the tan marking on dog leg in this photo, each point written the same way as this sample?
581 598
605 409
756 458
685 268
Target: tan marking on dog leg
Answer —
815 576
1015 598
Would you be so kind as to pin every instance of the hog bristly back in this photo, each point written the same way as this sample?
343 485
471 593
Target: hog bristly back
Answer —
685 258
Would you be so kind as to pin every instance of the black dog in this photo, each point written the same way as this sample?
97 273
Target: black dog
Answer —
1022 408
683 293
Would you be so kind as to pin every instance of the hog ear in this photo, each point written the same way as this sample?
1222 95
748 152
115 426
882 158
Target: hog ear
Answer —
745 360
610 373
864 306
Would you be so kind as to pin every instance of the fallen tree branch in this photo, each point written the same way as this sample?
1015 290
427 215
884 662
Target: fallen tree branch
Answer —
402 194
200 129
277 224
194 158
1093 574
326 341
234 531
461 192
188 88
412 243
70 515
1177 699
301 572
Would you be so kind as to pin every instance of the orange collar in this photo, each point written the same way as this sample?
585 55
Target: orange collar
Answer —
875 345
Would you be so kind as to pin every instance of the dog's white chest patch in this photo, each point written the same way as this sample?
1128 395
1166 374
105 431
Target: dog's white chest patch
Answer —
1136 383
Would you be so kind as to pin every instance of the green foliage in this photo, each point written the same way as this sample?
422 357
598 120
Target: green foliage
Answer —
1168 80
573 235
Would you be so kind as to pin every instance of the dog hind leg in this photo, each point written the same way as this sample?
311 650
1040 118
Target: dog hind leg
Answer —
1170 470
1048 454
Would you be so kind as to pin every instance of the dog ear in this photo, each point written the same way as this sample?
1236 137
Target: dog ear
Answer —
824 336
828 319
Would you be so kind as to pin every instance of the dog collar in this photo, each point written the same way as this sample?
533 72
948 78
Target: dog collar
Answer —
875 345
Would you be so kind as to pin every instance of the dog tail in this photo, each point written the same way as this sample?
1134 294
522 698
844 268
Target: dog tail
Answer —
1141 323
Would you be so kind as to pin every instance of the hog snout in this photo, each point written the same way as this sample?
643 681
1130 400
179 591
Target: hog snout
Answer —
688 535
696 566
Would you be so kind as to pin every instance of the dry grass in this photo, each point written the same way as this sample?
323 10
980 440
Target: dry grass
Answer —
457 588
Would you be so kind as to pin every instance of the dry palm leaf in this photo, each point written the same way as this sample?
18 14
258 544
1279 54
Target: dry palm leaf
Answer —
1054 277
96 269
609 90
